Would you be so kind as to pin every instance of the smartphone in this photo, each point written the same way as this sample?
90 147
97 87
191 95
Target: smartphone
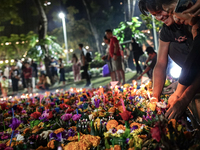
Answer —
182 5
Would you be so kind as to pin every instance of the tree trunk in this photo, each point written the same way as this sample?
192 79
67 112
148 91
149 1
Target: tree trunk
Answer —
42 32
133 8
93 28
129 10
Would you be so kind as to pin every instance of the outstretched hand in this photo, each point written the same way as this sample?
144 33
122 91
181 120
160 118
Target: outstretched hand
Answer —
177 109
194 10
172 99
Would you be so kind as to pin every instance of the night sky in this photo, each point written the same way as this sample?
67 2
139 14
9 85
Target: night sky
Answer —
31 22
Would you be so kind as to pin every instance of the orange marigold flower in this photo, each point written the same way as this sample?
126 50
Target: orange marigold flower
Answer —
111 124
59 130
51 144
173 121
121 127
42 148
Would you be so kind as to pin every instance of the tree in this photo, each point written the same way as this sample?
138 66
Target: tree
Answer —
38 53
148 22
9 12
15 46
93 28
126 30
42 32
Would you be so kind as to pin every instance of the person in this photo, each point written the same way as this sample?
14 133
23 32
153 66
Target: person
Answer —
4 86
18 64
22 76
194 11
116 57
137 52
190 71
62 71
44 82
149 69
28 77
35 73
15 76
54 70
85 64
42 68
76 68
107 58
6 71
175 40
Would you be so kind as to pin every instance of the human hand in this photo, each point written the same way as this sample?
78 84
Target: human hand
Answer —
177 109
194 11
172 99
138 78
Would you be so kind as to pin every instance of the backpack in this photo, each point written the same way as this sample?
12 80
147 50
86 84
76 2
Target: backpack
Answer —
88 57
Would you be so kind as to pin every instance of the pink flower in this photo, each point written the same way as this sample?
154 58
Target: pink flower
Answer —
66 117
156 134
76 117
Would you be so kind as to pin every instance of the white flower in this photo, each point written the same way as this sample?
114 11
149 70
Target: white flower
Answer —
120 131
19 137
91 116
45 134
110 131
161 104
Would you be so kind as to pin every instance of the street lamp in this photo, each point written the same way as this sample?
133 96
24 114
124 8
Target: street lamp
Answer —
62 16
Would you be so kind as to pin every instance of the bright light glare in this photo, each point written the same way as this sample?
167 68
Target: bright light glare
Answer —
1 62
103 44
23 59
87 47
71 50
6 61
12 61
175 71
61 15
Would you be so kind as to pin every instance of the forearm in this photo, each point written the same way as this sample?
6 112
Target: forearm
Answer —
159 76
145 71
191 90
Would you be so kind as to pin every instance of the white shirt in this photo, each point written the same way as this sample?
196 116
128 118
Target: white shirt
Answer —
19 65
6 72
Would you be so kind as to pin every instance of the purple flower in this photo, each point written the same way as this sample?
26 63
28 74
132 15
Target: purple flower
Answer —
23 111
5 136
134 128
131 98
57 137
52 104
127 140
76 117
114 130
96 102
15 123
66 117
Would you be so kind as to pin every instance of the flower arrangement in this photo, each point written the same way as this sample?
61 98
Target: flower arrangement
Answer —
121 118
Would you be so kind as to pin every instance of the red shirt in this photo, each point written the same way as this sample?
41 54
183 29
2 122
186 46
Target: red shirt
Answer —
113 41
27 73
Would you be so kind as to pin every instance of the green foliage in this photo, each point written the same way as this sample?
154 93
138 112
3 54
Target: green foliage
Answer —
16 45
148 21
9 12
97 57
37 52
126 30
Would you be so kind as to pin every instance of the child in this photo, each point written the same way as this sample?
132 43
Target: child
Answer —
4 86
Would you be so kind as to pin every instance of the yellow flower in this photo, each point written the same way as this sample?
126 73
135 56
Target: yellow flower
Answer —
41 124
106 134
97 122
